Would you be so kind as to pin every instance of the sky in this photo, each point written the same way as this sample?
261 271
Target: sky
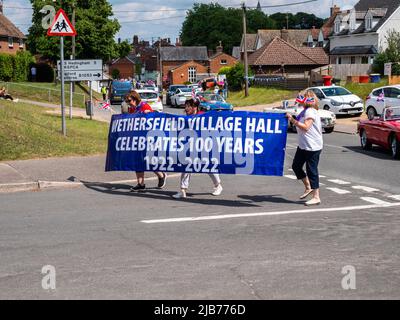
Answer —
164 18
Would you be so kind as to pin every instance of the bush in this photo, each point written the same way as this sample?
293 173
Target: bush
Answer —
235 76
15 67
391 54
115 74
44 72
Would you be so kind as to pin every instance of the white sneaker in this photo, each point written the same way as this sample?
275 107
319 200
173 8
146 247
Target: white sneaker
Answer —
217 190
180 195
313 202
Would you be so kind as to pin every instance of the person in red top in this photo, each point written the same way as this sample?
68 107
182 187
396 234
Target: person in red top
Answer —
136 105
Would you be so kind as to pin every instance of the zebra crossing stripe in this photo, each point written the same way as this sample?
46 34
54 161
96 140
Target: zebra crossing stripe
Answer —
395 197
366 189
338 181
375 200
290 176
339 191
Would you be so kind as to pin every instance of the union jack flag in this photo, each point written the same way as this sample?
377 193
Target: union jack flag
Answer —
105 106
381 97
310 100
300 99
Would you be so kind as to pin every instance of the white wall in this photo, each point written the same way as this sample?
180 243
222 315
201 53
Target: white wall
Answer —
392 23
367 39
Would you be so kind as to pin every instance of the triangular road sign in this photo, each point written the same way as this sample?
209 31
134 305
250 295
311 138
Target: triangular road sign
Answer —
61 25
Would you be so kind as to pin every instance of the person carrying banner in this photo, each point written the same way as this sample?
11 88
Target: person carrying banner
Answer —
137 106
309 130
192 109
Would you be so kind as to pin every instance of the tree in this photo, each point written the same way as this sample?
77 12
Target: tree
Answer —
207 24
390 55
300 20
123 48
235 76
94 26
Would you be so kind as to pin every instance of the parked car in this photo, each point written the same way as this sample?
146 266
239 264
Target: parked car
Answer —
152 87
171 91
180 96
196 87
380 98
383 131
339 100
328 118
213 102
151 97
118 91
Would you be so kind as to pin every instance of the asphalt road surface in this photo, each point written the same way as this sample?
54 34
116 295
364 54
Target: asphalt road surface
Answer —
255 241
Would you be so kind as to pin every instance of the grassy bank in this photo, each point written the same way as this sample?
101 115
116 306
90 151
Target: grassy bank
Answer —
364 89
27 132
46 92
259 96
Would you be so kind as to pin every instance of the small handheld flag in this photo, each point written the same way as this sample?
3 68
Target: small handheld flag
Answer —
381 97
300 99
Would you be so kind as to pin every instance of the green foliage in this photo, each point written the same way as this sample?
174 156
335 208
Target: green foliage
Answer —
300 20
235 76
44 72
391 54
123 48
115 73
15 67
94 26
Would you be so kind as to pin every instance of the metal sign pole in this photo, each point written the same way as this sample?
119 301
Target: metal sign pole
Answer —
91 100
64 131
71 84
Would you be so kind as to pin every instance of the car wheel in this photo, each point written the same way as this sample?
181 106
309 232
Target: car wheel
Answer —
329 130
371 113
365 144
326 107
395 147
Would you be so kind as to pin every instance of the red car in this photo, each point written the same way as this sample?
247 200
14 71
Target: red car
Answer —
383 131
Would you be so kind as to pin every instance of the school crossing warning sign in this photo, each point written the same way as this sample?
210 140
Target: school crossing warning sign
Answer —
61 25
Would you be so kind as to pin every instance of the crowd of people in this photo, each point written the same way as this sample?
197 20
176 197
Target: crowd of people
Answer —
310 144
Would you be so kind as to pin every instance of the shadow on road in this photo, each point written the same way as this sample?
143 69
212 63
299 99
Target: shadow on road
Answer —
376 152
157 194
269 198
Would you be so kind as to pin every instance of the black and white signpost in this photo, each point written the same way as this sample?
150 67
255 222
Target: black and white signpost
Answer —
62 27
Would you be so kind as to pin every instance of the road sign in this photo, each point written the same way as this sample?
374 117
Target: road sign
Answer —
388 69
61 25
82 70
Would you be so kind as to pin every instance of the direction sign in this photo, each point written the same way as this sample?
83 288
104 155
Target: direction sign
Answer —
61 25
82 70
388 69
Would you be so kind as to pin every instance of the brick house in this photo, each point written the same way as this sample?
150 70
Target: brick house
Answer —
220 60
12 39
187 72
126 66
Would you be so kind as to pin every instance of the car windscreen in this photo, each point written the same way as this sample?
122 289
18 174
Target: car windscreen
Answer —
173 88
121 85
148 95
212 97
185 90
336 91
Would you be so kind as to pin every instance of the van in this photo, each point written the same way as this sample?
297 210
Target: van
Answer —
118 91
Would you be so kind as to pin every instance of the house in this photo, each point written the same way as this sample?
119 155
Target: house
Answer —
183 64
126 66
283 58
360 34
12 39
220 60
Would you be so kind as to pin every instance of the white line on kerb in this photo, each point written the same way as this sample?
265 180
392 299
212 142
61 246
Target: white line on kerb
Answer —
375 200
290 176
339 191
276 213
366 189
338 181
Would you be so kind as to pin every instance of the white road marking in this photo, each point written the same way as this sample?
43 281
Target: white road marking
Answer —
395 197
375 201
321 176
338 181
290 176
339 191
276 213
322 184
366 189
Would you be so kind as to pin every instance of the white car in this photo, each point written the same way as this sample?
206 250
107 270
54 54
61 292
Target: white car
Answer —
380 98
180 96
151 97
339 100
328 118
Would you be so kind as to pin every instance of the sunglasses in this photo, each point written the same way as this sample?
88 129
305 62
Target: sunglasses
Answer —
128 100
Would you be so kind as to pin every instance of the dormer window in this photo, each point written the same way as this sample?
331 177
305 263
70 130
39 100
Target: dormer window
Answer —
338 23
352 21
368 22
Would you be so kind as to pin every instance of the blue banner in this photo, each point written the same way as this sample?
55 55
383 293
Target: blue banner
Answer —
237 142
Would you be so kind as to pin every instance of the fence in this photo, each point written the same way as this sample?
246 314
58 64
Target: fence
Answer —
298 82
43 94
342 71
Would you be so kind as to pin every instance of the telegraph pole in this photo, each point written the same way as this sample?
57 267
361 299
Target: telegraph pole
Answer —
246 66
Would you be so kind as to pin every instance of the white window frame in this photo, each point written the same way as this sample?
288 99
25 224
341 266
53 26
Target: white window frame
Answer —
368 22
21 43
224 61
337 26
192 74
10 42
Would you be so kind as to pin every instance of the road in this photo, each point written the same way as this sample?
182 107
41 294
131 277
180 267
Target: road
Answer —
255 241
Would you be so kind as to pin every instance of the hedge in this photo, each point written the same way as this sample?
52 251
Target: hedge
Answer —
15 67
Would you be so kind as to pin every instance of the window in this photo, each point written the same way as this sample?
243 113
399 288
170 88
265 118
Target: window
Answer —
392 93
192 74
376 93
223 61
10 42
368 22
337 26
318 93
353 60
339 60
21 43
364 60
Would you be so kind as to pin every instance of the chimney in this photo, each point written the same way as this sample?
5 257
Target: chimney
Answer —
335 9
177 42
285 35
169 40
220 48
135 40
210 53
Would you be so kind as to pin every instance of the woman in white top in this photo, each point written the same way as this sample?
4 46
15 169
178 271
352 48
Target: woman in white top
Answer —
309 130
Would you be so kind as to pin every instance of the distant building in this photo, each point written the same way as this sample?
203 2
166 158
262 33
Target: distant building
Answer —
12 39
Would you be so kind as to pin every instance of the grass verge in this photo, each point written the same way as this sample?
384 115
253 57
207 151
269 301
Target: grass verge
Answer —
364 89
259 96
27 132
